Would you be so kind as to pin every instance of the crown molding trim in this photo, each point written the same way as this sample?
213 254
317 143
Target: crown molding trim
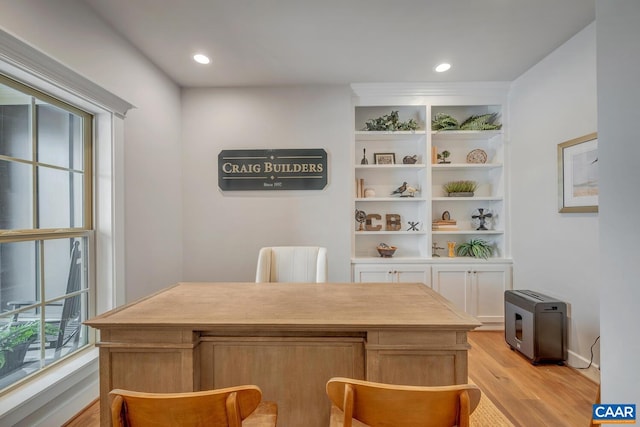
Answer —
371 90
21 58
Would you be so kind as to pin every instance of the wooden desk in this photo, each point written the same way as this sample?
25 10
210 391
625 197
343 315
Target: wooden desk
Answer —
288 339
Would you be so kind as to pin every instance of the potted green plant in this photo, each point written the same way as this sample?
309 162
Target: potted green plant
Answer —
476 248
460 188
15 339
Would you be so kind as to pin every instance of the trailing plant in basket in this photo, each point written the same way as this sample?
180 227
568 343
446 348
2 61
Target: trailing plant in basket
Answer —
476 248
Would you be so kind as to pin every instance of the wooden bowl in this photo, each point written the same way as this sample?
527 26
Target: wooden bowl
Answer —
386 252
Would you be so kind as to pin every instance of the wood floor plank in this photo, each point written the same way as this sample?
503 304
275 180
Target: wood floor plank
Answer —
530 396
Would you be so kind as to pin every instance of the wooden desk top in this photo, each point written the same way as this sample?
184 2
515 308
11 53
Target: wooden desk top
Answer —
335 306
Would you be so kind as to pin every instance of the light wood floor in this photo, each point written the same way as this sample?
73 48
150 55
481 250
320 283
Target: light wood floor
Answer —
530 396
543 395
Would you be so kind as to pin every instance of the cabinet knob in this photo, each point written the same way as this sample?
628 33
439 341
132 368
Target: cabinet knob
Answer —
469 272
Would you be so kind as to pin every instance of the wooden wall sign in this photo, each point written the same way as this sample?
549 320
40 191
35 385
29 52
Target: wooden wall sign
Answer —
280 169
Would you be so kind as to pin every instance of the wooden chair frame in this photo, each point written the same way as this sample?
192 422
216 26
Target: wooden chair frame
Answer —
220 407
378 405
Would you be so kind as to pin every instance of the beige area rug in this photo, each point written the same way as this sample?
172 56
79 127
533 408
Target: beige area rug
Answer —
488 415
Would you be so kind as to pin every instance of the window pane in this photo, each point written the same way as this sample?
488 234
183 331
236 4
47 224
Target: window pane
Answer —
15 135
16 196
59 137
18 274
65 331
59 198
65 273
65 266
20 353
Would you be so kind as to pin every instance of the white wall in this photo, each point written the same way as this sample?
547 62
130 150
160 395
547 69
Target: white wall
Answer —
223 232
555 254
618 121
69 31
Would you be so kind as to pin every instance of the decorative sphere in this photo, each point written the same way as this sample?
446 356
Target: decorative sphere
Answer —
369 192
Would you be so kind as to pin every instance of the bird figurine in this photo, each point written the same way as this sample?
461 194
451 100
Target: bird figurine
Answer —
411 190
400 189
410 160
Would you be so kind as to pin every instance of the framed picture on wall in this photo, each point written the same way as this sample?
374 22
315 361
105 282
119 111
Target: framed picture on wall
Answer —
578 174
384 158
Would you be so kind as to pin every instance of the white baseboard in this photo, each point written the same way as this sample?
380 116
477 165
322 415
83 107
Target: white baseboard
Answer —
578 362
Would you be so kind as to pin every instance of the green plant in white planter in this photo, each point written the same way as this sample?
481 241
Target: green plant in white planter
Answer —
460 188
476 248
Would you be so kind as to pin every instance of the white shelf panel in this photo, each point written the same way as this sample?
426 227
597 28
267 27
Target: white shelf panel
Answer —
467 232
390 199
397 233
394 166
363 135
428 260
441 135
468 199
465 166
394 259
444 259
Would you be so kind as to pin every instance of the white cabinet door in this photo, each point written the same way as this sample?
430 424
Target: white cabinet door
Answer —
453 283
476 289
392 273
488 285
408 273
372 273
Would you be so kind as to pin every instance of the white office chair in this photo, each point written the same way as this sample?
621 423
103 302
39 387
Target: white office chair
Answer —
292 264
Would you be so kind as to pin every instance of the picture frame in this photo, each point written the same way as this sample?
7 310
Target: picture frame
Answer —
384 158
578 175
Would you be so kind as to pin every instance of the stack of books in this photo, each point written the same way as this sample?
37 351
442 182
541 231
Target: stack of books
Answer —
359 188
444 225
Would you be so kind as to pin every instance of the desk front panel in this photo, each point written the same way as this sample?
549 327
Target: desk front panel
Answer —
291 371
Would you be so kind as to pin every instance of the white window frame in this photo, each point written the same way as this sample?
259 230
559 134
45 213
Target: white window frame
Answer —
54 396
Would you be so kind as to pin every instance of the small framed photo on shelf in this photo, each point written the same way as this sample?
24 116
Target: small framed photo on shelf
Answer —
384 158
578 174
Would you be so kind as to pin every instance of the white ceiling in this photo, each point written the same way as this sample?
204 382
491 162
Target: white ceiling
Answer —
282 42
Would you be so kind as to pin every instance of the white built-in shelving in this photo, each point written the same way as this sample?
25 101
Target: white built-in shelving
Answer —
475 285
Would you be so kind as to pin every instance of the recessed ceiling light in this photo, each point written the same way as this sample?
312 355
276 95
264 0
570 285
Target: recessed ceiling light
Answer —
441 68
201 59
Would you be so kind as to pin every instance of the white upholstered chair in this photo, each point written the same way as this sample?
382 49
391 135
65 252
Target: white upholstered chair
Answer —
292 264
